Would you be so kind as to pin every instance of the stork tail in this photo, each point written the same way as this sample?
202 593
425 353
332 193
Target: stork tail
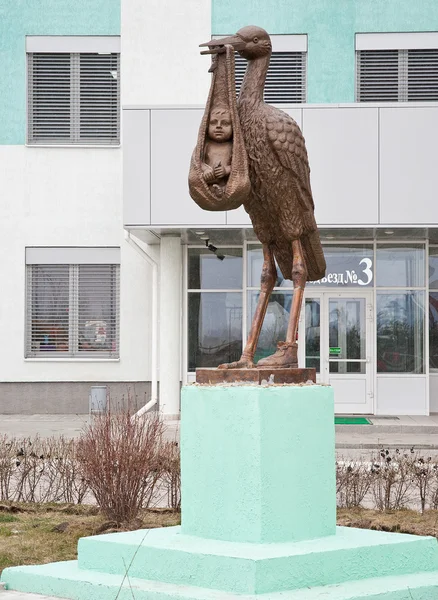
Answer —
313 256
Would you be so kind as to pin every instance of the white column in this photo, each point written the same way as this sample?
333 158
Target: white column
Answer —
170 325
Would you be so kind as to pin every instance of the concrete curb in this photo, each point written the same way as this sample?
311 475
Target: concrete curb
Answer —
379 429
376 446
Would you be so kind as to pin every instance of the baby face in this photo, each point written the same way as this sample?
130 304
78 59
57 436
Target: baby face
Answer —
219 126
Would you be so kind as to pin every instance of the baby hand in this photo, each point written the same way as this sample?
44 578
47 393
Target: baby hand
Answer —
209 175
219 171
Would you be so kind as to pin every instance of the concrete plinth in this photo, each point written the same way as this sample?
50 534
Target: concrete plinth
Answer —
264 469
258 518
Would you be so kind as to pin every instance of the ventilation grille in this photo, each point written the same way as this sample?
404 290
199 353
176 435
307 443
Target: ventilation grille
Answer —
73 98
72 310
396 75
286 78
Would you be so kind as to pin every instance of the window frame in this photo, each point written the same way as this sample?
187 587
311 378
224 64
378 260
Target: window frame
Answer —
189 373
402 43
373 289
93 257
72 45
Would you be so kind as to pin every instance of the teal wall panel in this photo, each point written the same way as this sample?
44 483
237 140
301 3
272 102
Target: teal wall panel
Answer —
331 26
19 18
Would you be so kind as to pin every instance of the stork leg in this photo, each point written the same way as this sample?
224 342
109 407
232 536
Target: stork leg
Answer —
299 278
268 279
286 354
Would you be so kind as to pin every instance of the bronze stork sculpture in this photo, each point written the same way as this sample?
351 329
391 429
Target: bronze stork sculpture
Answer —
279 200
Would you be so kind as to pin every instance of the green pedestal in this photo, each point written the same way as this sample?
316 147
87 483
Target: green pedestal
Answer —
258 518
258 463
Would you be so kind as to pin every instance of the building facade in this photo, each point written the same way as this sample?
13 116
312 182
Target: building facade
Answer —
116 277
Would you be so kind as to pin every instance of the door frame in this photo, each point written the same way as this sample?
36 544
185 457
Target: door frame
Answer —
324 296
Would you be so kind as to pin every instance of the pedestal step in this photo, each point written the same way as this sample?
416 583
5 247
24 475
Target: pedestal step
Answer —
66 580
165 556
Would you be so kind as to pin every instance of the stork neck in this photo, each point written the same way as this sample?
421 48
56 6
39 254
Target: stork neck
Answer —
254 81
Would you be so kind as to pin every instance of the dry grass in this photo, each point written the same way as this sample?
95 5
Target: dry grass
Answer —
401 521
40 534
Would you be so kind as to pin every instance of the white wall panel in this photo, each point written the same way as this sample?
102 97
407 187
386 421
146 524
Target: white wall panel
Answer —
173 138
433 393
160 56
238 217
342 144
408 165
136 167
345 158
405 395
68 197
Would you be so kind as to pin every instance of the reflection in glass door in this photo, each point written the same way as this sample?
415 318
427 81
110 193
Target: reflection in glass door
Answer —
313 333
338 342
347 336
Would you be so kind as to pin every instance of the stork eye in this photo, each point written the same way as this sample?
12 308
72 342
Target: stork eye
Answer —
255 40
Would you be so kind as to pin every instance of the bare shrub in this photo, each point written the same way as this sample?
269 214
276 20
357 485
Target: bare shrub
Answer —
433 487
171 469
423 474
356 478
392 479
8 452
341 475
40 470
119 459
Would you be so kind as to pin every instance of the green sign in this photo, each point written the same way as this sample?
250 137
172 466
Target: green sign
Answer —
335 351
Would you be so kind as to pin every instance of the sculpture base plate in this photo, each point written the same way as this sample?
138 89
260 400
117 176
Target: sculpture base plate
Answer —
255 376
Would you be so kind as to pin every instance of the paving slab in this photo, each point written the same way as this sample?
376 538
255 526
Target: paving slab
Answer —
69 426
10 595
404 432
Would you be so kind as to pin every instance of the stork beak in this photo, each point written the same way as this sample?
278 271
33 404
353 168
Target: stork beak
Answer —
218 46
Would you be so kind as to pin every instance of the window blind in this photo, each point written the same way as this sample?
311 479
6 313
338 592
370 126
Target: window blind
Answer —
72 310
98 293
48 302
73 98
422 70
396 75
285 80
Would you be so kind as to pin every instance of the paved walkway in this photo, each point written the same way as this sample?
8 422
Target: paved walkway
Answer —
403 431
7 595
70 426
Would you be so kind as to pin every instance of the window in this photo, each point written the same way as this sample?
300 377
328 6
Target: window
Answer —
400 337
214 306
397 67
72 308
73 97
400 308
433 308
286 78
400 265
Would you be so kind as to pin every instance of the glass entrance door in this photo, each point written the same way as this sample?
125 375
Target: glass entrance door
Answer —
337 330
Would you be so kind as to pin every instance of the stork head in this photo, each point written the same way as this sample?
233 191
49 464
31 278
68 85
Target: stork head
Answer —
250 42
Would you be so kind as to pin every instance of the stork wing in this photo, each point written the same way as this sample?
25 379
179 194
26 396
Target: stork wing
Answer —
287 141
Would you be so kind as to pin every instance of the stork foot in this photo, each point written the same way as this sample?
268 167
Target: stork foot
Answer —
243 363
285 357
